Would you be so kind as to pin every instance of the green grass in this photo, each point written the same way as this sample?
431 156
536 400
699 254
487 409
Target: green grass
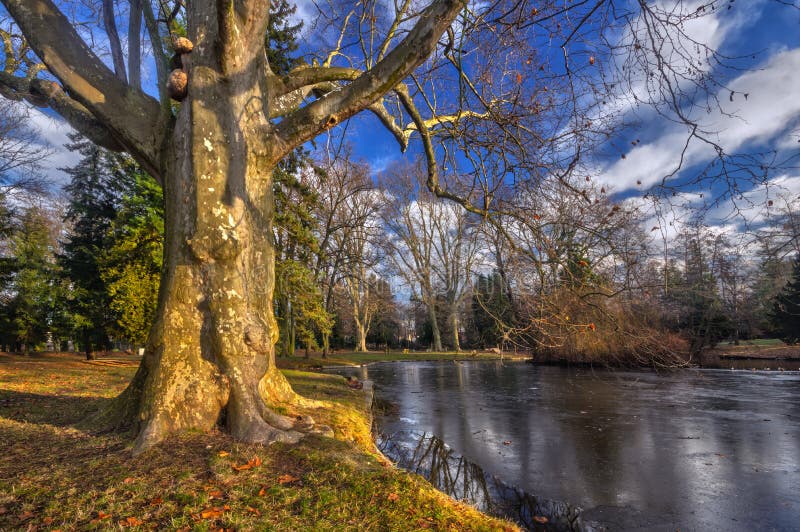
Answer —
770 342
353 358
56 476
761 344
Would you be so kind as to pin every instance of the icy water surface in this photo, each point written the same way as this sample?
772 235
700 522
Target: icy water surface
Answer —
688 450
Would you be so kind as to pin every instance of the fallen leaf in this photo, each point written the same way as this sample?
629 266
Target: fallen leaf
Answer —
131 521
540 519
393 497
156 501
24 516
47 520
223 453
128 480
254 462
209 513
103 515
216 494
262 491
253 510
287 479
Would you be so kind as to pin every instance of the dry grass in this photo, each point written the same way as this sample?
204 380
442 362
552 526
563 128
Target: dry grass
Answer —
57 475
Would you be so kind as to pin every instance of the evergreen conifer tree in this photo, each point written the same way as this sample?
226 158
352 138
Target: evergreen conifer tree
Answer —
97 184
32 292
785 315
131 266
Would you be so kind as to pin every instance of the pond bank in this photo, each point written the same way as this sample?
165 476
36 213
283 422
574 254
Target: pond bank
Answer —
56 474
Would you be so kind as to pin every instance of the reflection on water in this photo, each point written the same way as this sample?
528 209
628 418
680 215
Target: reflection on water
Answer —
466 481
695 450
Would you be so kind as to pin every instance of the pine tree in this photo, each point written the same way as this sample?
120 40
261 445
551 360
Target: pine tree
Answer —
785 315
299 305
6 259
705 319
281 41
491 311
131 267
95 191
32 291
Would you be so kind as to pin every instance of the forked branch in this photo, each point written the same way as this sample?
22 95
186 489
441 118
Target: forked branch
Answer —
128 113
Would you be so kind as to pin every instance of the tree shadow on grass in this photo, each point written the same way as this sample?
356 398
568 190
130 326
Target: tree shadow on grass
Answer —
48 468
56 410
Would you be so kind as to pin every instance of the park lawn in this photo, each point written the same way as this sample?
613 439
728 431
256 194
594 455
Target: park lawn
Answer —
770 348
57 474
355 359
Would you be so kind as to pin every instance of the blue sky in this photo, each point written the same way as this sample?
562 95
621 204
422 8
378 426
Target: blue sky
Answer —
762 38
764 33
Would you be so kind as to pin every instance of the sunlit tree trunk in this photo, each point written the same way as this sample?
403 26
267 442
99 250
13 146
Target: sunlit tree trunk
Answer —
210 356
361 333
435 333
326 345
456 324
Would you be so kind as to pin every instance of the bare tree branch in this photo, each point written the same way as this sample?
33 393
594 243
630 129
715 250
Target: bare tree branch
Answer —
113 39
131 115
309 121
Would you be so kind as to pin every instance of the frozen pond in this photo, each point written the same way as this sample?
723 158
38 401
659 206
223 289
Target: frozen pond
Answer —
688 450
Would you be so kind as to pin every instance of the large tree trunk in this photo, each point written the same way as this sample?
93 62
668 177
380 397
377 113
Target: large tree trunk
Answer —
210 356
437 335
456 339
326 344
361 337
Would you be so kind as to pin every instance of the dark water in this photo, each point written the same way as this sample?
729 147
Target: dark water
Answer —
689 450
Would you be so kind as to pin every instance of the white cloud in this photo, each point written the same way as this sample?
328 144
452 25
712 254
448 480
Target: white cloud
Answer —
767 116
53 133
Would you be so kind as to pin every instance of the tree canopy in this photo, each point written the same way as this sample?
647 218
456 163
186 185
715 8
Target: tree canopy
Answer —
511 105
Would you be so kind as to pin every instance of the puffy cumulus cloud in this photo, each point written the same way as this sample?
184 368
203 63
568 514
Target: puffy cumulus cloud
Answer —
768 117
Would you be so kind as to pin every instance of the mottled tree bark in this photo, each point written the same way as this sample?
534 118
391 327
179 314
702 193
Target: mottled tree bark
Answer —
361 334
210 356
